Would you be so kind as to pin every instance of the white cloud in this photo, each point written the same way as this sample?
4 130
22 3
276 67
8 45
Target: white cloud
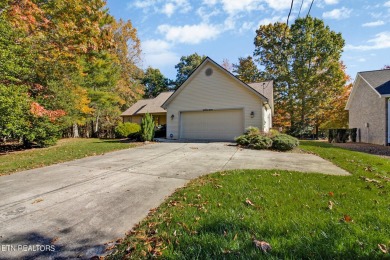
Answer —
381 41
190 34
272 20
168 9
158 53
361 60
279 4
331 2
246 26
205 13
337 14
143 3
387 4
373 24
236 6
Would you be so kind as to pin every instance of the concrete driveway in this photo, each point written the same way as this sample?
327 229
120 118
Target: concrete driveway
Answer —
79 205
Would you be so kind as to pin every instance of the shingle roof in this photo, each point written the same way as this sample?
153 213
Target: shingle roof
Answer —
378 79
152 105
265 88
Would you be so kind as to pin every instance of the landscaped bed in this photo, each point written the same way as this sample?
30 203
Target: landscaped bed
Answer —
65 150
299 215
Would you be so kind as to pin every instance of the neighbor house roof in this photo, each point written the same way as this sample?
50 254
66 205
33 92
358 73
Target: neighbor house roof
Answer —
377 80
192 75
152 105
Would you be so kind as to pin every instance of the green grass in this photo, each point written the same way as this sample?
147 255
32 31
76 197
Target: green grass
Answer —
210 219
65 150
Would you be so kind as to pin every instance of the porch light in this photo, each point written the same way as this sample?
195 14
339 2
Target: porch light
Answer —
172 116
252 114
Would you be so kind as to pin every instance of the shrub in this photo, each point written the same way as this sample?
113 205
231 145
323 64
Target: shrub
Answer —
283 142
252 131
147 128
124 130
43 134
259 142
243 140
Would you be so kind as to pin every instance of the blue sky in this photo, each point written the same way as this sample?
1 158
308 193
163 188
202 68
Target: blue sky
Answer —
225 29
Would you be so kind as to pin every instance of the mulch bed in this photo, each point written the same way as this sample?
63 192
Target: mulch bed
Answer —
383 151
11 147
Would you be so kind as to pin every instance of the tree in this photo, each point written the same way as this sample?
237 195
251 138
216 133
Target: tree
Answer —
186 66
154 82
304 62
246 70
227 65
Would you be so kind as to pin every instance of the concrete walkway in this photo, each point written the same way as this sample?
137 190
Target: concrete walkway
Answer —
79 205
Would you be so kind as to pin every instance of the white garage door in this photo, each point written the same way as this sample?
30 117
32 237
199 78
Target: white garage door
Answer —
212 125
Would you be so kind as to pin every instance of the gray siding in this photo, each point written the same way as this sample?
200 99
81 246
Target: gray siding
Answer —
366 106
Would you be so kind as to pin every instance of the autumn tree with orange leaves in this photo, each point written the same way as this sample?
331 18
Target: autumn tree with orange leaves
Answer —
71 63
304 61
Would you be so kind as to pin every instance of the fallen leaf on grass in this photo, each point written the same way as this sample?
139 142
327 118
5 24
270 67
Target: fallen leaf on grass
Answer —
330 205
264 246
369 180
383 248
276 174
235 237
248 202
346 218
55 239
331 194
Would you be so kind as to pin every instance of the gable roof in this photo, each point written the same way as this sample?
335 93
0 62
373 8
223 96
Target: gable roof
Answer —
377 80
202 65
152 105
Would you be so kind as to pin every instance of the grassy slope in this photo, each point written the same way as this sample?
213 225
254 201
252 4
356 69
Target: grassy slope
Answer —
210 218
65 150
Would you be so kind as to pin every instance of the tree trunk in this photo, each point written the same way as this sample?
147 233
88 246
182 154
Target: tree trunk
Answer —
75 131
96 126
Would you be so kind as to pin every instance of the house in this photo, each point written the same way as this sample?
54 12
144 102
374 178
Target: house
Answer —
369 106
152 106
212 104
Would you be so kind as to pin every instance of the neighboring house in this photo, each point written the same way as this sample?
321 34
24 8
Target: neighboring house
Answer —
152 106
369 106
212 104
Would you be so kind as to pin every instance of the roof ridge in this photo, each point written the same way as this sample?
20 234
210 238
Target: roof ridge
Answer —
373 70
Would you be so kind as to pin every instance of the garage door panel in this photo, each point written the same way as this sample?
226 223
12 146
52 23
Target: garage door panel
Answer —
216 124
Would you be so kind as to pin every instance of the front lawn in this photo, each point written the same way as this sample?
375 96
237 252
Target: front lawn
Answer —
65 150
301 215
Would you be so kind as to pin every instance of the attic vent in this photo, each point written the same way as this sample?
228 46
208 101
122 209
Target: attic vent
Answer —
209 71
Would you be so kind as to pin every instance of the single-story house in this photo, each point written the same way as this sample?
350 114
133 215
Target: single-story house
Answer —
212 104
369 106
135 113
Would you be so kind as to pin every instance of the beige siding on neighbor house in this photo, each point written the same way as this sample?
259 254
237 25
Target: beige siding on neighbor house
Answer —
160 119
218 91
132 119
366 106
